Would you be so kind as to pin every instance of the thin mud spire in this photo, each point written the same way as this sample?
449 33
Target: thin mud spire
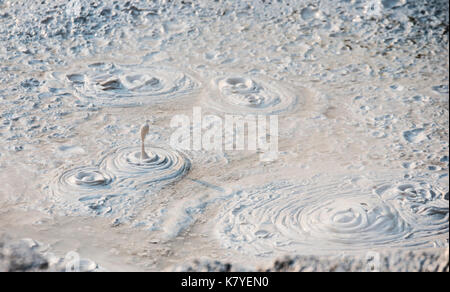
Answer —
145 129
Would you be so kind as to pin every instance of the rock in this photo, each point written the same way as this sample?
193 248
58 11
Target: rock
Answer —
20 257
432 260
27 255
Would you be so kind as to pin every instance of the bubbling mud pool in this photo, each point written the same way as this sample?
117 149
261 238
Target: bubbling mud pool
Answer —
114 84
359 91
341 216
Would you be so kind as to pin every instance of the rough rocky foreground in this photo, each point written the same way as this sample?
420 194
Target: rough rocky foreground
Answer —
25 256
432 260
28 255
18 256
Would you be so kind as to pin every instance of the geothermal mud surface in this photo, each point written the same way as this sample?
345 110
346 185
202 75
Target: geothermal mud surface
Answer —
361 93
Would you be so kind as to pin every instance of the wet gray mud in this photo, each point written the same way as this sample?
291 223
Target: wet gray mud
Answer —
360 89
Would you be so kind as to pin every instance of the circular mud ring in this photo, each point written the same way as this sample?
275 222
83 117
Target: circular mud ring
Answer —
244 95
82 184
331 218
162 165
420 204
110 84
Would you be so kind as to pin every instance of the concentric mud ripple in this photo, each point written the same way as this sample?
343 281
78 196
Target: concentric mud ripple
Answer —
80 184
421 205
332 218
244 95
110 84
82 180
117 185
162 165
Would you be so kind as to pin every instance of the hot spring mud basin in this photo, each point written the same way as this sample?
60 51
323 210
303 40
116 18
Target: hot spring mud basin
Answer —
361 93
